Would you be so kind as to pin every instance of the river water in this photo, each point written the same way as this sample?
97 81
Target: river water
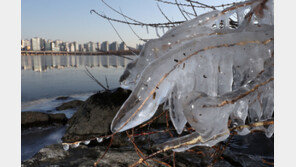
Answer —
44 78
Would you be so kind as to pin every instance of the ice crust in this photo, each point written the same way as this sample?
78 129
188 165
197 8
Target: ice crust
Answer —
201 64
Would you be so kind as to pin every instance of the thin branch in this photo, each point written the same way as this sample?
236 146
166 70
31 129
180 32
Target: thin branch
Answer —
99 159
198 6
145 40
202 4
163 13
125 16
168 24
185 12
188 13
193 9
88 73
121 38
173 3
106 82
180 10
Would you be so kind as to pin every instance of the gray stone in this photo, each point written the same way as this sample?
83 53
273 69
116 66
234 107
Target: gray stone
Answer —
70 105
37 119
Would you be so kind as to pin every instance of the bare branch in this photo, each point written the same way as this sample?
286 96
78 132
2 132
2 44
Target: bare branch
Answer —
202 4
125 16
180 10
145 40
188 13
160 25
173 3
193 9
163 13
121 38
185 12
88 73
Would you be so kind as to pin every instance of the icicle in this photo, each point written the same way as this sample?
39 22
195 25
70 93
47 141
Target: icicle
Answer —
157 32
86 142
75 144
66 147
99 140
163 30
210 67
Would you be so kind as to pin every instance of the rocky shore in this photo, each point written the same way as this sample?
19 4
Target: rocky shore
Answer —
93 119
39 119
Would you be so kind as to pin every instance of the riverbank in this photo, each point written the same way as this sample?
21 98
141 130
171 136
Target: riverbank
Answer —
93 119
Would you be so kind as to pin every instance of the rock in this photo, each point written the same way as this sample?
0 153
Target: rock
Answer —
54 155
69 105
62 98
36 119
94 117
58 118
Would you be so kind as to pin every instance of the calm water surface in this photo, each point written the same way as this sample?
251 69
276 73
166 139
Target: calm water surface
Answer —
46 77
51 76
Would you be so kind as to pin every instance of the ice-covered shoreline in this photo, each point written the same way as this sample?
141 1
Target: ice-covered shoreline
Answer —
48 105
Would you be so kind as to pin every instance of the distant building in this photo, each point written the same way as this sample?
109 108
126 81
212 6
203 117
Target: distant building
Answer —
85 47
38 44
47 45
35 44
42 44
54 48
59 44
65 47
76 46
98 46
122 46
22 44
71 47
105 46
139 47
113 46
25 44
91 46
80 47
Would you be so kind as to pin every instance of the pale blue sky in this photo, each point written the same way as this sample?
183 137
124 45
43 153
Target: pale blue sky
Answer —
70 20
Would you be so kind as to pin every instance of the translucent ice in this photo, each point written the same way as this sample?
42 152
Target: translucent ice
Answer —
66 147
208 71
99 140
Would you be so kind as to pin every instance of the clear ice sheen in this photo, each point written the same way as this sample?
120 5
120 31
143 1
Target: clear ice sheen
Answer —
86 142
99 140
75 145
205 62
66 147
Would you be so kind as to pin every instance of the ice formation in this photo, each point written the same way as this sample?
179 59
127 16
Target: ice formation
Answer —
213 68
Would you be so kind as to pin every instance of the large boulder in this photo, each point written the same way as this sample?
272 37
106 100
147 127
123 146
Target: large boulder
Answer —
70 105
36 119
94 117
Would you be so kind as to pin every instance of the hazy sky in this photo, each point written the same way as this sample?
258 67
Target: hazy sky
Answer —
70 20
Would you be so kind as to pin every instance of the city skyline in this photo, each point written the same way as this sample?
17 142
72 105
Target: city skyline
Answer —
72 21
41 44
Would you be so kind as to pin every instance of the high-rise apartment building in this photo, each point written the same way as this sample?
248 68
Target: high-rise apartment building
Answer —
105 46
98 46
113 46
122 46
76 46
35 44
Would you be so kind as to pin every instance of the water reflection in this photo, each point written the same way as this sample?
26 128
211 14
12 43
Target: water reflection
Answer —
65 75
44 62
